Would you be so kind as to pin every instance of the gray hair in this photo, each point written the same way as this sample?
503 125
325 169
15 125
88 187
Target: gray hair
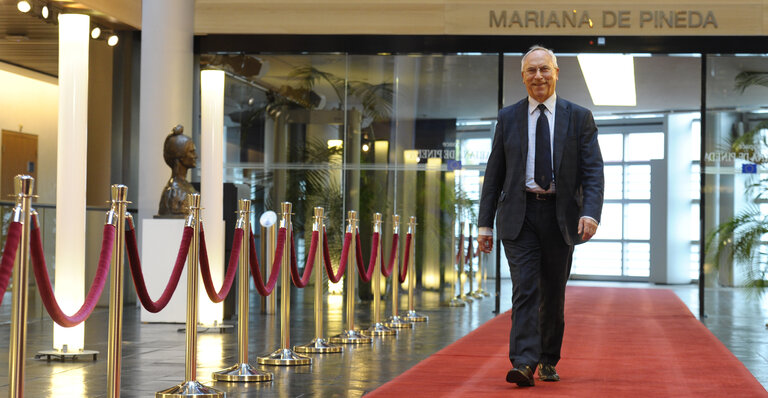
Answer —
536 47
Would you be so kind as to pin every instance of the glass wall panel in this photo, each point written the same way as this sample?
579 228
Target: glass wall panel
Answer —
604 260
404 134
614 181
636 259
445 109
612 146
638 181
636 216
644 146
410 134
612 221
734 168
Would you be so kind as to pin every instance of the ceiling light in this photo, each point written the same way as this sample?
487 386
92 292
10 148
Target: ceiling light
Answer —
95 33
610 78
45 12
112 40
23 6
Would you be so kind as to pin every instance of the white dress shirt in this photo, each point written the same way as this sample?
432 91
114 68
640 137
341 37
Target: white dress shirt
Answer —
530 163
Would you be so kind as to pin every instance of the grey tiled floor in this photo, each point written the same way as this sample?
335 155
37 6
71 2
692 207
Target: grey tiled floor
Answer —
153 354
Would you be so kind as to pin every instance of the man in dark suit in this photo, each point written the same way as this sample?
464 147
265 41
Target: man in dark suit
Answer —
544 179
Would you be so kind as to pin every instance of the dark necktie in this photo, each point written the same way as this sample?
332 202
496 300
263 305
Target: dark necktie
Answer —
542 173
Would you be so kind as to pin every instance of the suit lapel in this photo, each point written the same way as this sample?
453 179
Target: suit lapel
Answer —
521 118
562 117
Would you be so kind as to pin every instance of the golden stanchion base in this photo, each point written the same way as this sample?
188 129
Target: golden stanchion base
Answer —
483 293
413 316
378 329
241 372
455 302
476 294
285 357
351 337
317 346
398 322
466 299
190 389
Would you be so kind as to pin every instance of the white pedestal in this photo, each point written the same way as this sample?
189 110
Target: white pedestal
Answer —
159 248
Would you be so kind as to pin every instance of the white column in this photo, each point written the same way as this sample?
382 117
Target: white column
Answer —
211 183
430 275
69 275
670 256
405 106
166 92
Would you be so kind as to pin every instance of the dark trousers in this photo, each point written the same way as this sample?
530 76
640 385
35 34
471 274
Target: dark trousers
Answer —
539 263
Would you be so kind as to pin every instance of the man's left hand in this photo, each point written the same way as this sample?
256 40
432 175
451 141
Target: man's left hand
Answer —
587 228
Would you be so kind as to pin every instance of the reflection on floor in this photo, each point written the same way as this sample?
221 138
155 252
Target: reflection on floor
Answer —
153 354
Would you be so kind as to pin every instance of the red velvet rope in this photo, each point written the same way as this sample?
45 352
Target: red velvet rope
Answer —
44 282
358 250
258 280
461 247
229 277
387 271
335 278
138 276
366 275
9 255
301 282
406 257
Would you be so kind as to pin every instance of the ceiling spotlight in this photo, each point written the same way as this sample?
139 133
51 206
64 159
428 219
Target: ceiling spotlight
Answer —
95 33
112 40
23 6
45 12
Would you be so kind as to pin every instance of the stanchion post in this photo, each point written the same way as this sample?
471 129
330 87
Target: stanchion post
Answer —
284 356
319 344
396 321
462 259
24 185
413 316
263 263
474 285
190 386
268 246
116 217
242 371
454 301
481 273
378 328
350 335
468 259
484 275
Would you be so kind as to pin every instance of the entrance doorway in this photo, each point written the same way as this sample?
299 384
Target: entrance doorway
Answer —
19 157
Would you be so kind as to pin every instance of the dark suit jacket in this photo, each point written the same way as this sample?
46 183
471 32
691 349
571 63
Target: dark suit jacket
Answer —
577 165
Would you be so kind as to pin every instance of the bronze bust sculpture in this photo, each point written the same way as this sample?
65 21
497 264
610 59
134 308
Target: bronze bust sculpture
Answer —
180 154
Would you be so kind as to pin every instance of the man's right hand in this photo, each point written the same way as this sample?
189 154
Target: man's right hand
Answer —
485 243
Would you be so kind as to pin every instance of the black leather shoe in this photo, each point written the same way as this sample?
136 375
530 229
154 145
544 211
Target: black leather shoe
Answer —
522 375
548 373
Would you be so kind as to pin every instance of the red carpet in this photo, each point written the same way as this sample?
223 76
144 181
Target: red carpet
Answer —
619 342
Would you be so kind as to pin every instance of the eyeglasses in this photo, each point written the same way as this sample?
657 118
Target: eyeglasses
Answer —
545 70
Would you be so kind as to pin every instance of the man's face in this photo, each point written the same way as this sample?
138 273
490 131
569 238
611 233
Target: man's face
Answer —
539 75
